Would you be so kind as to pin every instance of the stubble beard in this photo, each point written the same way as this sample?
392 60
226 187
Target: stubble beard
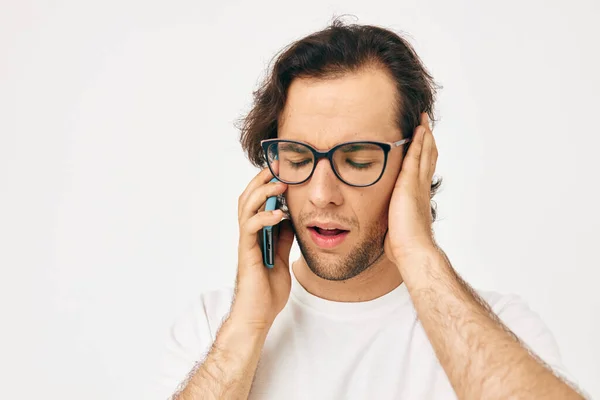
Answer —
359 259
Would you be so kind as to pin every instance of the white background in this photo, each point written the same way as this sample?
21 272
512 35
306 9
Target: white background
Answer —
120 168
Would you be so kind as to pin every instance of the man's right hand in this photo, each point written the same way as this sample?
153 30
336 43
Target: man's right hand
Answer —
261 292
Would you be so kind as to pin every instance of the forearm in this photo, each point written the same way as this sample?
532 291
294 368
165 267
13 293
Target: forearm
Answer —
481 357
230 366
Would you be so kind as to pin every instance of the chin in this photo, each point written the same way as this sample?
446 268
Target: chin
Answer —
338 264
332 275
349 259
336 272
327 268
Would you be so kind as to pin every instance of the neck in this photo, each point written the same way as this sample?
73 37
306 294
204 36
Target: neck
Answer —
379 279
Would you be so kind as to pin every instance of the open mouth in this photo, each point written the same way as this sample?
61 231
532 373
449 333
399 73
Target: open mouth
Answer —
327 237
328 232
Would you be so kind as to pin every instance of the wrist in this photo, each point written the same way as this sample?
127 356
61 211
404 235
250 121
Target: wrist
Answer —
418 267
414 256
240 321
239 341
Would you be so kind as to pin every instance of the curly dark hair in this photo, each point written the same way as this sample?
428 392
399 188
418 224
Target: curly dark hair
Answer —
338 49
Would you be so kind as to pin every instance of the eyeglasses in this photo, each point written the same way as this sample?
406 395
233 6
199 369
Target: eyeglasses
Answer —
358 164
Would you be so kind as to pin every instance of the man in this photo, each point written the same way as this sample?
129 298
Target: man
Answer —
373 308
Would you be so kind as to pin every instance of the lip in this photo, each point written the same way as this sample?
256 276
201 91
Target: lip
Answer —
327 225
327 242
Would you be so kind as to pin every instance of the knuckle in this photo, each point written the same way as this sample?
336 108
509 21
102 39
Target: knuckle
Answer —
269 190
264 173
273 189
245 227
263 216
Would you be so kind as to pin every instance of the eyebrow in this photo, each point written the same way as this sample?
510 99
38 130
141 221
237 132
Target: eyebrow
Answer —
293 147
358 146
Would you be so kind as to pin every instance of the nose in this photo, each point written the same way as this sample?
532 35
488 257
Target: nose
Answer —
324 186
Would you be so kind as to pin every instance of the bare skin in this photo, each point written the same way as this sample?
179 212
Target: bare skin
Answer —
325 113
480 356
497 365
260 295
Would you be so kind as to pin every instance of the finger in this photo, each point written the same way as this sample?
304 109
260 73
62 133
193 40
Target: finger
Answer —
434 160
426 155
425 120
249 229
261 178
413 156
257 198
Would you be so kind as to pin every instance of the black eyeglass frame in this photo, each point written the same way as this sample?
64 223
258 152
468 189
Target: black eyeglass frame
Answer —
385 146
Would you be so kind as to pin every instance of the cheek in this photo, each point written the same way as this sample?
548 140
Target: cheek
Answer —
374 205
375 200
385 187
393 167
293 199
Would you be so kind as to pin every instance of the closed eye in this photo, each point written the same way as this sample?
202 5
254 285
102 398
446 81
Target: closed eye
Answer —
298 164
358 165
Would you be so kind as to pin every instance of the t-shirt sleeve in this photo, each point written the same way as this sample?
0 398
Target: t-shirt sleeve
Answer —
516 314
188 342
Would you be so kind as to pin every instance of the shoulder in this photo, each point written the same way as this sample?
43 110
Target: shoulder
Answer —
192 334
203 316
517 315
529 327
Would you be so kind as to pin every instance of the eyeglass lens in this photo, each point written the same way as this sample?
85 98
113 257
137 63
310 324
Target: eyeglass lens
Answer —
356 163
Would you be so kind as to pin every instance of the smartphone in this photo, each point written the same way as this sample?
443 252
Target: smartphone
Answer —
268 239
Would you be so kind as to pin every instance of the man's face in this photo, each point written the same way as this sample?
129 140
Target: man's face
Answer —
324 113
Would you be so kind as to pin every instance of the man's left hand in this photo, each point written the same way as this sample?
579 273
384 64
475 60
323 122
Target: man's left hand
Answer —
410 219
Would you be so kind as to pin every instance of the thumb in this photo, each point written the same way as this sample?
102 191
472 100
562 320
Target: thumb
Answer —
285 240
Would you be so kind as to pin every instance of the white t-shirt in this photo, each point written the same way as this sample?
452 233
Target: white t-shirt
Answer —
321 349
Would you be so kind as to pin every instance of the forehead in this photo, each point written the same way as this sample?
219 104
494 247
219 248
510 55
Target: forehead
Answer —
354 106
